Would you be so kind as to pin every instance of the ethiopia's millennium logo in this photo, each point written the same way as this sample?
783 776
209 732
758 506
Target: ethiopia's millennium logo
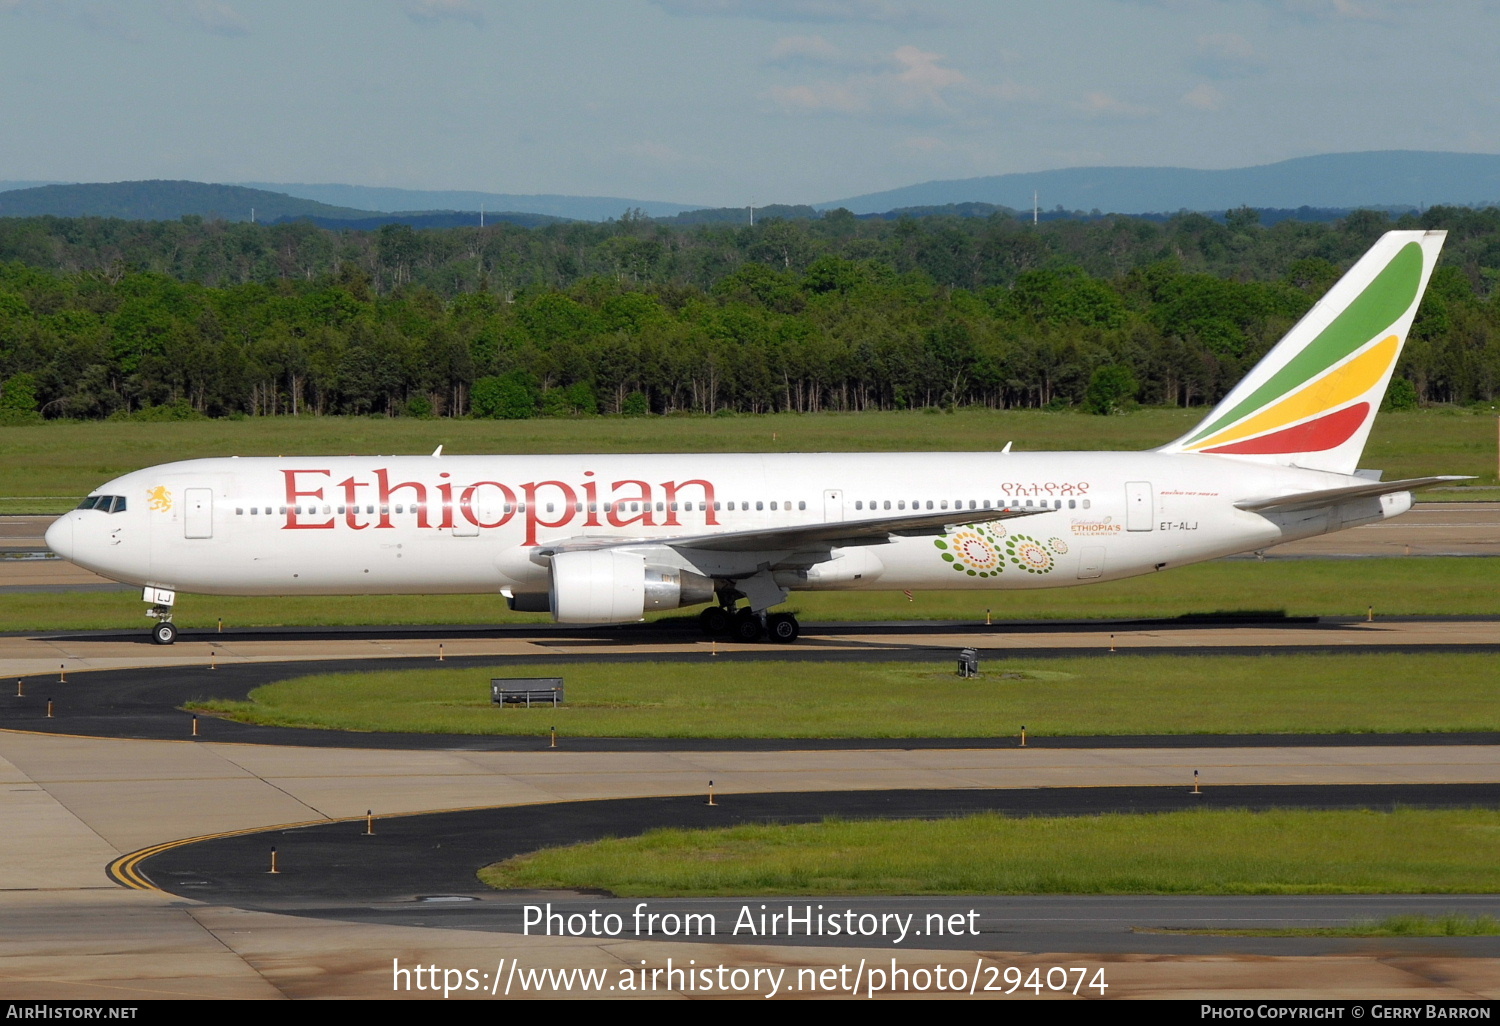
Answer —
973 550
159 498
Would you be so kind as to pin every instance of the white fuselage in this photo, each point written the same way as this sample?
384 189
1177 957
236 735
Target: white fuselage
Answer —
474 524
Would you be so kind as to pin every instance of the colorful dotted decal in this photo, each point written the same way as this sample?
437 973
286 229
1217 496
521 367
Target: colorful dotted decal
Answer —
1029 554
973 550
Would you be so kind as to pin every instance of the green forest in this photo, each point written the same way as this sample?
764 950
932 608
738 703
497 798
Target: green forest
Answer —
177 319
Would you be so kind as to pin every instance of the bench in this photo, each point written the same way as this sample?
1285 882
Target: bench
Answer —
527 691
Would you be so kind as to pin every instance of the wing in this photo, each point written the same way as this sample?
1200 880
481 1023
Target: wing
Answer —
836 534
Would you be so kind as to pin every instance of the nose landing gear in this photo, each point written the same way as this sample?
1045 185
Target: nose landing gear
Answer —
165 632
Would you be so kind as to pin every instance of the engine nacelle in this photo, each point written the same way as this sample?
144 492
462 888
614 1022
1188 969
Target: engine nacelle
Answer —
610 586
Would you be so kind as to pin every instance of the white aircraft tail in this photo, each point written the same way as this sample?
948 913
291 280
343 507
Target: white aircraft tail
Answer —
1311 400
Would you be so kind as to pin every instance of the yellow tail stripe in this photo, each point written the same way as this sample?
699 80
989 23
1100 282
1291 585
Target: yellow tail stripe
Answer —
1333 389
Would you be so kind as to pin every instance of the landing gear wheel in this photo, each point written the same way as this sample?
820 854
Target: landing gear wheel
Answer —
715 620
782 628
164 633
747 626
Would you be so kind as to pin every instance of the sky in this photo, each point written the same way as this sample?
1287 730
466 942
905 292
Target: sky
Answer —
726 102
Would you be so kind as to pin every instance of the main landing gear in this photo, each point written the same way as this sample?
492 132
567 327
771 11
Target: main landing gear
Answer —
748 626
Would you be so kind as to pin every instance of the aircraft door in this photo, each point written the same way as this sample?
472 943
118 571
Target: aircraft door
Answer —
198 513
1139 514
833 505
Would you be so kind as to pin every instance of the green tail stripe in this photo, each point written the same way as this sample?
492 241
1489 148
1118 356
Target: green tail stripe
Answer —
1383 301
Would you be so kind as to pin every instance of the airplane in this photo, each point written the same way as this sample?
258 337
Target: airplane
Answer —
606 539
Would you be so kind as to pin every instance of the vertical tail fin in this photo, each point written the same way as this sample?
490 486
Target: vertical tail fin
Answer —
1311 400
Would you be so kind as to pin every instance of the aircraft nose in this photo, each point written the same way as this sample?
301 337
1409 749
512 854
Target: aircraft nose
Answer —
59 536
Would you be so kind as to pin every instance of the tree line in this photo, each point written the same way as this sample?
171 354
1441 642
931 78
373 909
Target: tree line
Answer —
102 317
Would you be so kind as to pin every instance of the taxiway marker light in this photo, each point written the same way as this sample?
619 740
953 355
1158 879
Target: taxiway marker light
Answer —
195 726
554 737
20 689
711 793
273 861
1196 790
1023 735
369 822
49 708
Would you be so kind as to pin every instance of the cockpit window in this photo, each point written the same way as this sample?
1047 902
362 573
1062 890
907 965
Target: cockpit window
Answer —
105 503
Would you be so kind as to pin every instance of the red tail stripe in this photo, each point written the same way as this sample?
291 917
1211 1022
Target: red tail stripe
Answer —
1327 432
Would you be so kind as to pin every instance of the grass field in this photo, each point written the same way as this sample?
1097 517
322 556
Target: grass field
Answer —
45 467
1452 925
1405 586
1210 852
1087 695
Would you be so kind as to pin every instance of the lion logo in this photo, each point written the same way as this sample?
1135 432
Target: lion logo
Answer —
159 498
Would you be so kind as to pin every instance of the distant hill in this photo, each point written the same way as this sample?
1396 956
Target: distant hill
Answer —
578 208
1335 180
163 201
428 219
9 186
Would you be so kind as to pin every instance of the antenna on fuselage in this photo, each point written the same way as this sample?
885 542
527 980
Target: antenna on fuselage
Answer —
437 452
1007 447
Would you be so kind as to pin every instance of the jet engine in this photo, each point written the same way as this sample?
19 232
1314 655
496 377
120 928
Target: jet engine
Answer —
610 586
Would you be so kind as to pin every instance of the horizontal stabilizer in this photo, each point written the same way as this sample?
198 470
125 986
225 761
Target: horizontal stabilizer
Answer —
1333 496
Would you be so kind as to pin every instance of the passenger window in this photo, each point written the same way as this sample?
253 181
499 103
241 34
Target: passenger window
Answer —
239 511
945 503
859 504
716 505
760 504
887 504
801 505
929 503
1085 504
773 505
